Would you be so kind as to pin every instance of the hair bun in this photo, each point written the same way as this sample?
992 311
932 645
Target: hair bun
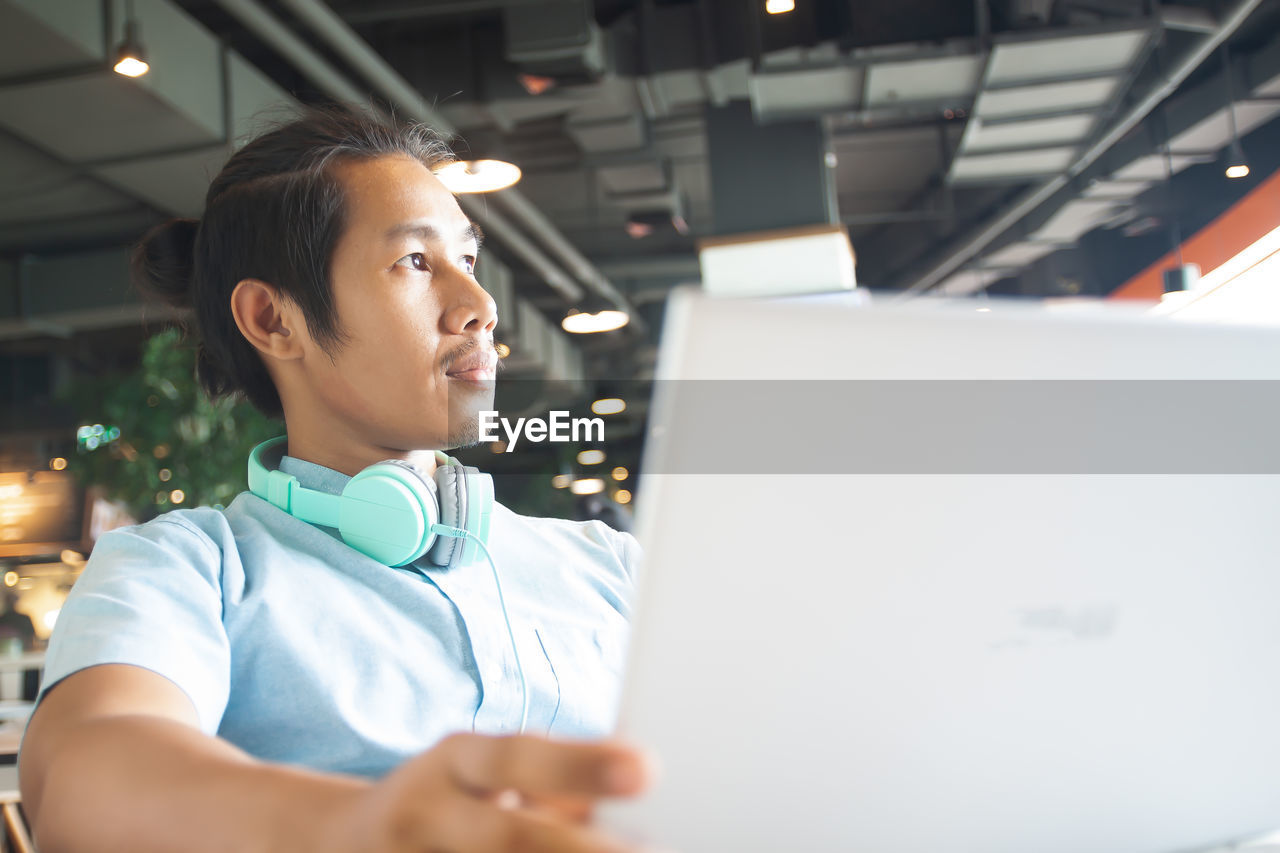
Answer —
162 263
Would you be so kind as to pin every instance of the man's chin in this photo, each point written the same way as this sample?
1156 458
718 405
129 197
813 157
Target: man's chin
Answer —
464 425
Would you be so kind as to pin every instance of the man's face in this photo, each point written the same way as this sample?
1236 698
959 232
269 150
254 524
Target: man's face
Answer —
418 362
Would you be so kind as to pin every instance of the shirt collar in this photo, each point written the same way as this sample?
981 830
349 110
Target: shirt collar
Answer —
322 479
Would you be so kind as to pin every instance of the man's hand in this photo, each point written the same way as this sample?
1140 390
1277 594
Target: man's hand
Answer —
480 793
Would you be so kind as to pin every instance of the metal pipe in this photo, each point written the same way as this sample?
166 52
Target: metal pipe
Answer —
1033 198
351 47
313 66
318 70
579 267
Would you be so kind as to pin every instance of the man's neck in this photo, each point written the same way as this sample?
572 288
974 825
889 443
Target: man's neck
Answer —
350 457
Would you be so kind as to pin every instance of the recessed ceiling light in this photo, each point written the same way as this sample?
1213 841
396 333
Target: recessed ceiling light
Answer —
478 176
609 406
591 457
588 486
583 323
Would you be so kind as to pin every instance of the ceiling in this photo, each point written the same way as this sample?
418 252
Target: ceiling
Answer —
970 146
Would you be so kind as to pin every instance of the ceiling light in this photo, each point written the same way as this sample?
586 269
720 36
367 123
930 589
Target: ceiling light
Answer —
131 65
589 486
536 84
584 323
561 481
620 473
608 406
131 59
1237 166
478 176
591 457
777 7
622 496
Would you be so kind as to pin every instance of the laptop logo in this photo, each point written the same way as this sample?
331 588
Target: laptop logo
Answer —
1036 627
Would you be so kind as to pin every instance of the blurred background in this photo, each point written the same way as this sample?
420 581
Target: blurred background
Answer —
1073 152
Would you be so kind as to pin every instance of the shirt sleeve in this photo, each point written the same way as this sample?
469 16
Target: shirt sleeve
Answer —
631 554
150 596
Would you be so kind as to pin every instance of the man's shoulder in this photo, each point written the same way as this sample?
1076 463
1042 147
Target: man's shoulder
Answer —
213 529
596 531
593 539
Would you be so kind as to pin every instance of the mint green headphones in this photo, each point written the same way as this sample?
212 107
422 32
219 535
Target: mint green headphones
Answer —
390 511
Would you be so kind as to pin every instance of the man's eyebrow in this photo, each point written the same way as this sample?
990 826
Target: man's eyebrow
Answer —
429 233
474 232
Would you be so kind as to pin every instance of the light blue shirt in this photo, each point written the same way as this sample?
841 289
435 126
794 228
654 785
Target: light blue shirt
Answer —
300 650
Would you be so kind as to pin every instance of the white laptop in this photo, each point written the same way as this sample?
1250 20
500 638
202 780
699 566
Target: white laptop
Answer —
1002 603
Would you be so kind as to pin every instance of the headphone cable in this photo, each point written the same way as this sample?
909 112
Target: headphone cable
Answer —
459 533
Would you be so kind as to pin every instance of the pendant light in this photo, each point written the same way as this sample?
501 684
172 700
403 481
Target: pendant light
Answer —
131 58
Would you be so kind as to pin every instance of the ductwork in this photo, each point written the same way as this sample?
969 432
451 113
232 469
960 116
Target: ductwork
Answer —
354 50
1032 199
88 141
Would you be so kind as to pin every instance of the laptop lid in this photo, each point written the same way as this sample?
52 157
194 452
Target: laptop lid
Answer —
878 615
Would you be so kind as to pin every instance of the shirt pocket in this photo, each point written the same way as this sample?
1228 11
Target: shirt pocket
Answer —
587 664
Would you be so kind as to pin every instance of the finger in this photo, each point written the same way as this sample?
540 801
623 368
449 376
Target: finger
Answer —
538 767
576 809
472 824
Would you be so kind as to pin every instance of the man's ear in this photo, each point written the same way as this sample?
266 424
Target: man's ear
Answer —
267 319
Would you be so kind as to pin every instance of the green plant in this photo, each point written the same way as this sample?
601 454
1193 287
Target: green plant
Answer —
153 440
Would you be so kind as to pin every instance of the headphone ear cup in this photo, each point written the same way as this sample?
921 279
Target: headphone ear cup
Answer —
479 508
387 513
451 489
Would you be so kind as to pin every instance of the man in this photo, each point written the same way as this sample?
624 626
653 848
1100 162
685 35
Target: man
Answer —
243 679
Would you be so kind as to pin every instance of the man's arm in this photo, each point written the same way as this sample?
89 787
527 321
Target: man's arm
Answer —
114 759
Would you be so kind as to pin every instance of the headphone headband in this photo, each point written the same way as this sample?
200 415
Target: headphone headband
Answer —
389 510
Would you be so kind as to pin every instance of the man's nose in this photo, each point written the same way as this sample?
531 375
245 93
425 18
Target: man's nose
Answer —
470 308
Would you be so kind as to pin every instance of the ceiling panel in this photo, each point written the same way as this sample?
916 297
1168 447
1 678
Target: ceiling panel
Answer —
731 80
922 80
984 136
1018 255
126 119
1074 219
176 184
781 92
622 134
1152 168
680 88
1116 189
969 168
1046 58
1047 97
34 186
968 281
38 35
1215 131
887 161
637 177
558 191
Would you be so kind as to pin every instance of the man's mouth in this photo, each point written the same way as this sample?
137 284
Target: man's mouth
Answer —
479 366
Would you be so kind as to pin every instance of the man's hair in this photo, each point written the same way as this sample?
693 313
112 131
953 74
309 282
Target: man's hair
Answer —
274 213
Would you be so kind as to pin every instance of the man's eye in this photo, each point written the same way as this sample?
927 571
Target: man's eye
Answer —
469 264
415 261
